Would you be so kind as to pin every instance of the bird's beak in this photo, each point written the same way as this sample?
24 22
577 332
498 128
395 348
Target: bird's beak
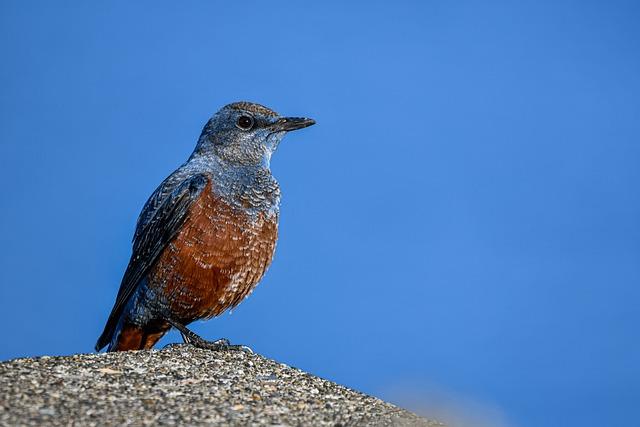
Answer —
287 124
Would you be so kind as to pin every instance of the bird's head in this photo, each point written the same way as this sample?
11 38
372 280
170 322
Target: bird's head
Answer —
246 134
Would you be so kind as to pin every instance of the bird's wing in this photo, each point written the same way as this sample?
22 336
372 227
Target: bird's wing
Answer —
159 196
154 231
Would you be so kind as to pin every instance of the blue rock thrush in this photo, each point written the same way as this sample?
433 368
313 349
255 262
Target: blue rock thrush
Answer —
207 234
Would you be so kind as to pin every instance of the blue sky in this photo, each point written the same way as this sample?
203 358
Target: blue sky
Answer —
460 232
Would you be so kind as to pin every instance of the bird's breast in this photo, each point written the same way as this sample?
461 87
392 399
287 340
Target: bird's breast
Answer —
220 254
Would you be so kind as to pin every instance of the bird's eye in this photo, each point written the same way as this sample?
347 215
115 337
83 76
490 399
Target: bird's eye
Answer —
245 122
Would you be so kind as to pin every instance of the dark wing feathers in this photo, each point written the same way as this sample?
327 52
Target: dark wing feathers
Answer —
158 225
159 196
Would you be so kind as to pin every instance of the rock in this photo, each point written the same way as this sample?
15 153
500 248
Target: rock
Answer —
181 385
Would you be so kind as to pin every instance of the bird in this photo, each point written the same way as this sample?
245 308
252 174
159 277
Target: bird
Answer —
206 235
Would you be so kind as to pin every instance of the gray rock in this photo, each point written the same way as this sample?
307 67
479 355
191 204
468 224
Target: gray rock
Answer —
181 385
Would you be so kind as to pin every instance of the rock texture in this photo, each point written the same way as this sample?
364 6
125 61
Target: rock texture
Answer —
181 385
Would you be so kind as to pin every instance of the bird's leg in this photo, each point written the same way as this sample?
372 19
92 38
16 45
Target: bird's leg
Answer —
190 337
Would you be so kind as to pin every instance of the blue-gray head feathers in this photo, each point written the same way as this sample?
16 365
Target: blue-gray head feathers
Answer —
246 134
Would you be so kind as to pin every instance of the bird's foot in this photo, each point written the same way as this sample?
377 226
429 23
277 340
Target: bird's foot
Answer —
190 337
217 345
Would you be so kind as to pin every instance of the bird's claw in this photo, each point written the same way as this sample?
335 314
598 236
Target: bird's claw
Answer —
222 344
240 347
190 337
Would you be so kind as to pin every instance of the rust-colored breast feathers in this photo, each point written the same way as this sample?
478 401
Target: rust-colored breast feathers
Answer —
216 260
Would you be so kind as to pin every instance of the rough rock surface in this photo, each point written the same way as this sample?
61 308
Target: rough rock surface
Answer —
181 385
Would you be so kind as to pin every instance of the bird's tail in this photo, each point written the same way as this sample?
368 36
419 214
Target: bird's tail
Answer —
129 338
110 329
132 337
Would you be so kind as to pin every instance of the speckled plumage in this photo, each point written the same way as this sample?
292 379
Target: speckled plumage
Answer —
206 236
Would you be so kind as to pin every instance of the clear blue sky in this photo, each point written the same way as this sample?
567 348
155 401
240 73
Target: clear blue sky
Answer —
461 228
